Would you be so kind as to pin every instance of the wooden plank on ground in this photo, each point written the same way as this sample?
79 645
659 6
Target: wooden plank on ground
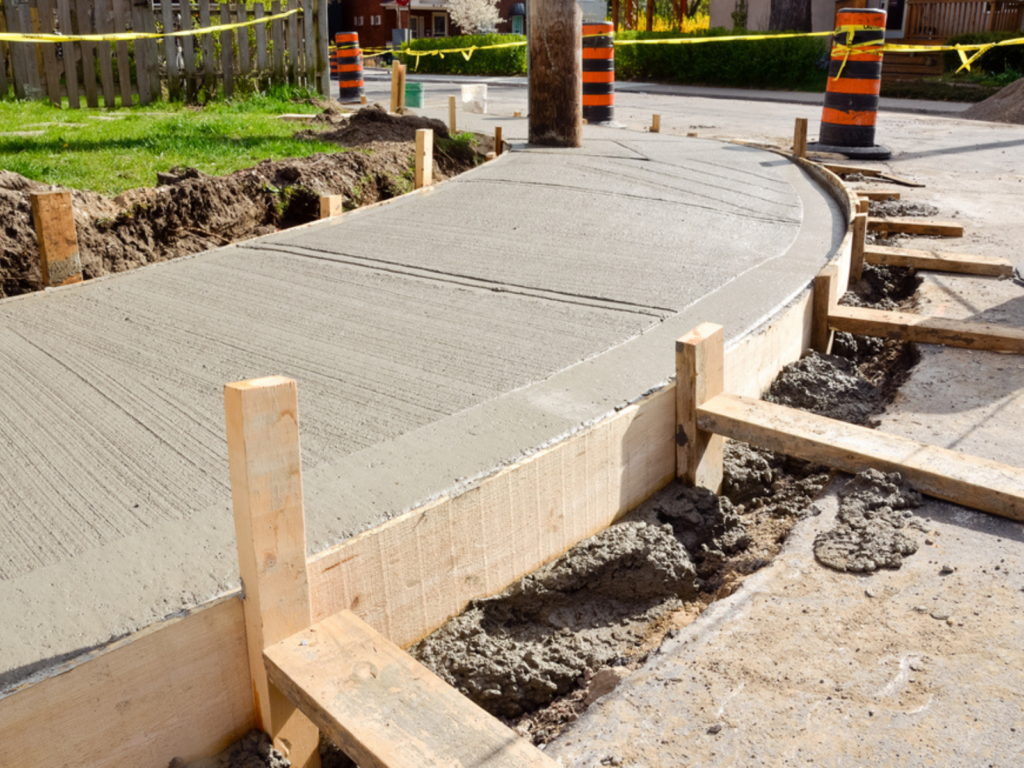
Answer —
84 27
914 226
124 62
170 51
384 708
938 261
52 67
926 330
877 196
70 55
105 25
265 466
227 58
843 170
957 477
181 686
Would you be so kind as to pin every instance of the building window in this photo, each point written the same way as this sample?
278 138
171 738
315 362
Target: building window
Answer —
375 21
359 21
416 26
440 25
517 25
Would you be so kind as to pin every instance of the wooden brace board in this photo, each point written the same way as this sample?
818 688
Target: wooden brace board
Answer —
384 708
938 261
949 475
913 226
926 330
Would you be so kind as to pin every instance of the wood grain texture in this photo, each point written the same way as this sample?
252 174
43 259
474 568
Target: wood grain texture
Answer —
938 261
914 226
800 137
265 466
54 220
410 575
88 49
227 59
556 73
957 477
927 330
700 371
70 59
879 196
858 233
171 52
826 297
424 173
145 88
384 708
51 66
105 24
178 689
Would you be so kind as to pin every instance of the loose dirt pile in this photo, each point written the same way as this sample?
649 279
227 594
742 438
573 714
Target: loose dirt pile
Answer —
870 532
191 212
254 750
1006 106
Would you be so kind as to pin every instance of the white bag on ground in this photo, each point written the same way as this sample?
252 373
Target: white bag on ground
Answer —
474 98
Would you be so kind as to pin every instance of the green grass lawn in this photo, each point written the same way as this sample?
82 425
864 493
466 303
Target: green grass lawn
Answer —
109 151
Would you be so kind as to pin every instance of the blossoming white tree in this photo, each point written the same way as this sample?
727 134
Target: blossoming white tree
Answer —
474 16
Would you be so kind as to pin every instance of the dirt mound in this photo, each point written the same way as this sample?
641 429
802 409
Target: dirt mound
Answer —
191 212
373 123
1006 106
874 510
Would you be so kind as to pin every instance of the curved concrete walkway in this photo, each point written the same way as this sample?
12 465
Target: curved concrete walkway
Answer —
432 338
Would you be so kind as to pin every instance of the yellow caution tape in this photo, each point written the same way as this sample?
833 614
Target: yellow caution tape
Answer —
31 37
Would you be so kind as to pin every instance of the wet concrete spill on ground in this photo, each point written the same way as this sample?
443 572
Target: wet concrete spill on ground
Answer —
190 212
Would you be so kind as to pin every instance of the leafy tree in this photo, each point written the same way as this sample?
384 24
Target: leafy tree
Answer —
474 16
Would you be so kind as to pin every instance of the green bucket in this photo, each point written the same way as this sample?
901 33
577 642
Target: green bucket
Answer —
414 95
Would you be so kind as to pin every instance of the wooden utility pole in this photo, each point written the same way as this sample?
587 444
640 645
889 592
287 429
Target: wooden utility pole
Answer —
556 73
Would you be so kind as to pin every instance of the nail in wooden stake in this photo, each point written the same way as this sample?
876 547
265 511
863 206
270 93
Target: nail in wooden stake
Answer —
700 360
424 158
800 137
497 141
266 492
331 205
451 115
860 231
54 221
655 123
826 286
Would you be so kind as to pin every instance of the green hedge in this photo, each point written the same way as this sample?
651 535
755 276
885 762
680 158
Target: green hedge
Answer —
995 61
500 61
787 64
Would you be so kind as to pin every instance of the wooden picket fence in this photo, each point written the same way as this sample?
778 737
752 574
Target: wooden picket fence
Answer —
292 50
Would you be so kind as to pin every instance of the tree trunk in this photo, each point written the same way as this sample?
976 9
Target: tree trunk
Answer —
790 15
556 73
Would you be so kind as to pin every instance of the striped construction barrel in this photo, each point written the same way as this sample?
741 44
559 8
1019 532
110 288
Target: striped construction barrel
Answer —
347 64
598 72
854 79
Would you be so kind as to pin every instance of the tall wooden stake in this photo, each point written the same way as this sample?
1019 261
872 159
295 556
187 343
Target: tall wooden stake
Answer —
266 492
800 137
826 285
424 158
655 123
556 73
860 233
54 221
700 362
497 141
451 116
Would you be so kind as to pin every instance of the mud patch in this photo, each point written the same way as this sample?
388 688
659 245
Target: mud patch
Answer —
871 528
190 212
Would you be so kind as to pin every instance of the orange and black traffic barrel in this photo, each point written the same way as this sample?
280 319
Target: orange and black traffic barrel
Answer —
347 66
598 72
854 80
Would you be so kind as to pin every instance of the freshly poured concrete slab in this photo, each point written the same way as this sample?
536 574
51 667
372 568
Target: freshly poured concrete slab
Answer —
432 339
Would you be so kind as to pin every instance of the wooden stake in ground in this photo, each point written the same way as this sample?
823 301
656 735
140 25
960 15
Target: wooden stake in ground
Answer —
700 365
655 123
451 116
266 492
556 73
58 244
800 137
826 286
497 141
424 158
860 232
397 86
331 205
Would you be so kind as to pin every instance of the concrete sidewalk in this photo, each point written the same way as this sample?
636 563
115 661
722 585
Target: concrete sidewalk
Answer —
433 339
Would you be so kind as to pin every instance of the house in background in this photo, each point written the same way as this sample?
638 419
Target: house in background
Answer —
910 22
374 20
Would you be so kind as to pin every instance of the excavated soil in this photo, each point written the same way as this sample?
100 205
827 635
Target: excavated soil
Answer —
1005 106
189 212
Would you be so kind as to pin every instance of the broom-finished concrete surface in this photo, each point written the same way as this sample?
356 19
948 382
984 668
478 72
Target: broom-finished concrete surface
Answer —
432 339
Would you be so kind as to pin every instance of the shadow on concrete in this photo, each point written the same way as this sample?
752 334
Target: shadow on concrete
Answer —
964 149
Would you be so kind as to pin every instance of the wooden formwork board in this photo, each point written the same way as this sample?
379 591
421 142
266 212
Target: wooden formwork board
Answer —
938 261
925 329
913 226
